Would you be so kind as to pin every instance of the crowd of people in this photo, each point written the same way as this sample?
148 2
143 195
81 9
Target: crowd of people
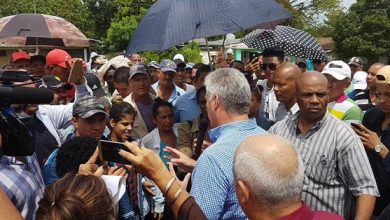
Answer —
266 139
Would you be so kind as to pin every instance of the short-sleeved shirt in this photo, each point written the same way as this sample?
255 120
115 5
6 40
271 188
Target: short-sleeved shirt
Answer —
346 110
212 179
336 165
23 183
186 108
176 93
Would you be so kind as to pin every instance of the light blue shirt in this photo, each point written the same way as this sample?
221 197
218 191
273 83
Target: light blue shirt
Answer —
177 91
186 107
213 183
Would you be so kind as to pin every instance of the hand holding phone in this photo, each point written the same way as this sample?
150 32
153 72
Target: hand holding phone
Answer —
108 151
76 72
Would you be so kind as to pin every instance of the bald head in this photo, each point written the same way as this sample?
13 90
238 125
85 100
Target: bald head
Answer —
312 96
290 70
311 77
272 168
372 71
284 83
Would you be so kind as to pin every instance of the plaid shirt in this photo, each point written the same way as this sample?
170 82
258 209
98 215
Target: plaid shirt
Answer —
212 179
23 183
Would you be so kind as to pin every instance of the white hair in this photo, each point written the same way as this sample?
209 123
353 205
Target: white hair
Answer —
232 88
267 183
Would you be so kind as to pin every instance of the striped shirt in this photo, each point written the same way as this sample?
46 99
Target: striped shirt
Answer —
336 165
346 110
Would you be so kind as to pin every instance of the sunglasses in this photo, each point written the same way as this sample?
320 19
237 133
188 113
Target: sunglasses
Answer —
271 66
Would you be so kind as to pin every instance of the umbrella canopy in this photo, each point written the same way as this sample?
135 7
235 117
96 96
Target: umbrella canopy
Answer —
38 29
172 22
294 42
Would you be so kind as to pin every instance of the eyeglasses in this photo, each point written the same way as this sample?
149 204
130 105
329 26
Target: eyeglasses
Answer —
271 66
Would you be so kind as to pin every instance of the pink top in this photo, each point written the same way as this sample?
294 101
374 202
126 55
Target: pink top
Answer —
305 213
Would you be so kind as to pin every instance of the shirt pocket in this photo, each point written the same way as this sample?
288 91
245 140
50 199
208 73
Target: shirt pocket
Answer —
321 169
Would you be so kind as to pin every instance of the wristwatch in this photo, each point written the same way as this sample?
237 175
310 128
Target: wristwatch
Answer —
378 148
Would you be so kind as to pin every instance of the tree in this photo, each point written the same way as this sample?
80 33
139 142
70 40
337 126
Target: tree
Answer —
363 30
190 51
309 15
72 10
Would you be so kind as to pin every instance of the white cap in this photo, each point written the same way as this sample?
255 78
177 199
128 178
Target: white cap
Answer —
229 51
179 56
338 69
359 80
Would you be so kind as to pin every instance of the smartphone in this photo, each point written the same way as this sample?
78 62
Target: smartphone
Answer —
355 126
108 151
76 72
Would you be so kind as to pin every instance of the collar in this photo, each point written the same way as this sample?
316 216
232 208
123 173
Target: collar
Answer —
315 128
342 98
215 133
8 160
294 109
304 212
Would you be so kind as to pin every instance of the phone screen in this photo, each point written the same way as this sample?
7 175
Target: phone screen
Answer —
108 151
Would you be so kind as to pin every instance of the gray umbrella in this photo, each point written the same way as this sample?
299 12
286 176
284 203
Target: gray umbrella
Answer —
38 29
294 42
171 22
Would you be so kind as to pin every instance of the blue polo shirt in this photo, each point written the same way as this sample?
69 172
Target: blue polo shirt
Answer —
176 93
186 107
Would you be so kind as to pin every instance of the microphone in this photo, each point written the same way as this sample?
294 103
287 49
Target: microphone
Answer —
203 124
26 95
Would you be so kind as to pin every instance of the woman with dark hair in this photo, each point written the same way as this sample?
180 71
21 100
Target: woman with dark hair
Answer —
76 197
122 116
166 130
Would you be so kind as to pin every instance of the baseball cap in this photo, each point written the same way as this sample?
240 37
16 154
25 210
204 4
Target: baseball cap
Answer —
57 57
154 64
93 82
189 65
179 56
359 80
168 65
356 61
138 69
87 106
338 69
20 55
383 76
54 82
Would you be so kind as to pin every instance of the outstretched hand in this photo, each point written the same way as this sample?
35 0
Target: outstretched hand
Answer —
180 159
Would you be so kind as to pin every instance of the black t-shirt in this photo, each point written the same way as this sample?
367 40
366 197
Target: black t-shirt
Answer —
45 143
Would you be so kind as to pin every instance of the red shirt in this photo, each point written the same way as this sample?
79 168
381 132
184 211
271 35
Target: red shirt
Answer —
305 213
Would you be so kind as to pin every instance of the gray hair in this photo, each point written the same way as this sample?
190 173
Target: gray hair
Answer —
232 88
268 184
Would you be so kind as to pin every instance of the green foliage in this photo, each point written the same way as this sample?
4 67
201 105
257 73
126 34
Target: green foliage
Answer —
310 15
363 30
190 51
72 10
120 32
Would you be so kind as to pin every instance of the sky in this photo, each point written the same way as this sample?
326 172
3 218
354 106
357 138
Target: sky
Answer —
347 3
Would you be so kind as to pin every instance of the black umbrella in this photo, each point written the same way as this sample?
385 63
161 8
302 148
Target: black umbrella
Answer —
294 42
171 22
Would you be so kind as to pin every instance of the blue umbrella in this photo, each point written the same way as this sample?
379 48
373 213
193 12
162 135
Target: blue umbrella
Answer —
171 22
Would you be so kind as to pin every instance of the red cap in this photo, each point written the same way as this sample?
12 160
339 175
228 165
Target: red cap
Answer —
18 55
57 57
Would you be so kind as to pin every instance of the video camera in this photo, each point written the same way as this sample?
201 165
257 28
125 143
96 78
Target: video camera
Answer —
17 138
